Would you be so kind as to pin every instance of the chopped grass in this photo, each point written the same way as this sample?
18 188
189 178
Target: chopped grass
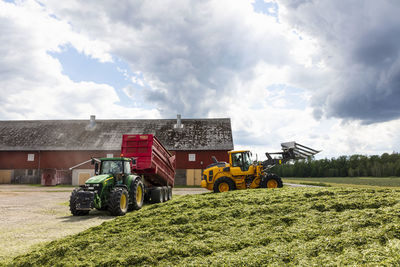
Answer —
316 184
350 181
288 226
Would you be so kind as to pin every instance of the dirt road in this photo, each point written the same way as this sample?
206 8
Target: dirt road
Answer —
31 214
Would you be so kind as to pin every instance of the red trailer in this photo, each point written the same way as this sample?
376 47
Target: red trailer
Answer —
149 158
145 171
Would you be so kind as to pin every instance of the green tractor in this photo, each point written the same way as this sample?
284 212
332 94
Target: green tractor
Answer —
114 188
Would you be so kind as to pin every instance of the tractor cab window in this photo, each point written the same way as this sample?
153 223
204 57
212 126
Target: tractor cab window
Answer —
241 160
246 161
237 160
127 167
110 166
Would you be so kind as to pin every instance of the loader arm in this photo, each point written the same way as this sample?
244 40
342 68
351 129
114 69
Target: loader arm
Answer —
290 151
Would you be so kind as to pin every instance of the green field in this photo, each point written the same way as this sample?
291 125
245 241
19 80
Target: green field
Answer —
348 181
288 226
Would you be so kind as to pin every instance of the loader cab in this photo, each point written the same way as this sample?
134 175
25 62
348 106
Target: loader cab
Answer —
241 163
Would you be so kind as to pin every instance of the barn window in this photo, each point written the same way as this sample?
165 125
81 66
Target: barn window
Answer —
31 157
29 172
192 157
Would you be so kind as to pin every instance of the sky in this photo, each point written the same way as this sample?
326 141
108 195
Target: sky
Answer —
325 74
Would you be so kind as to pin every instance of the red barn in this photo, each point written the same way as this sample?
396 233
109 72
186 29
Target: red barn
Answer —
58 151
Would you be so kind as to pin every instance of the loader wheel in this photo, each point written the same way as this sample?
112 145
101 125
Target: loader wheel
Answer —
272 181
223 184
118 201
157 195
137 195
72 204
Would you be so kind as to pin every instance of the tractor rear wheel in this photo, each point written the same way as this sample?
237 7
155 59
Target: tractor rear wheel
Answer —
118 201
137 195
223 184
271 181
72 204
157 195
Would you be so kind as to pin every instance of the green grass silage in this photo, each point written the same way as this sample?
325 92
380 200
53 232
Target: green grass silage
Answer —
289 226
348 181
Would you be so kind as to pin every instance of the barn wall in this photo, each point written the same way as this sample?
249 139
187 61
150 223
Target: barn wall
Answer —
202 158
49 159
68 159
180 177
47 167
18 160
26 176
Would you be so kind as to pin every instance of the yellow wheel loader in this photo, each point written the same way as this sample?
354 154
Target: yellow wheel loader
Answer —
242 173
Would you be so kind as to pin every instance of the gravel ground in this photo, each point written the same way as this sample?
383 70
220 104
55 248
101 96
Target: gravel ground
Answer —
33 214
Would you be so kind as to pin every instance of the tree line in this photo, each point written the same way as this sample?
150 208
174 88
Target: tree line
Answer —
344 166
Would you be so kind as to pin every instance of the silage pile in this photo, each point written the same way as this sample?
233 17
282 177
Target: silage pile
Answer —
289 226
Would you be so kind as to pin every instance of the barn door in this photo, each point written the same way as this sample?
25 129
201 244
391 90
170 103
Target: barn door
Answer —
5 176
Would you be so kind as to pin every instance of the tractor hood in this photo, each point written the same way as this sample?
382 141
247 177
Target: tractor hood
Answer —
98 179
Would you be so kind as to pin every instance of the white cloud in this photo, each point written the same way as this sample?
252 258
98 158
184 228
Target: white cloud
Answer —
31 80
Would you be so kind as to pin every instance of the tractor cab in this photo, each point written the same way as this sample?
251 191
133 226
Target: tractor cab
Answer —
118 167
115 166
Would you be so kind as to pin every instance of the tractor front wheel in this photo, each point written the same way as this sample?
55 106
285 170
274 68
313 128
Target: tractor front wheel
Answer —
271 181
72 204
118 201
223 184
137 195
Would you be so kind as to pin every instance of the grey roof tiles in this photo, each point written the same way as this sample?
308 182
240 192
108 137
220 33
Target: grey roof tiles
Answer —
196 134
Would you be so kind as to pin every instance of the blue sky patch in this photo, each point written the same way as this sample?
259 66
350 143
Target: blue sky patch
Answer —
267 8
80 67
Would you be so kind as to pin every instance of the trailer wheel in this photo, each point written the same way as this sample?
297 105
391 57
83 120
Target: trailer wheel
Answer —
147 196
157 195
137 195
271 181
223 184
165 189
72 204
169 193
118 201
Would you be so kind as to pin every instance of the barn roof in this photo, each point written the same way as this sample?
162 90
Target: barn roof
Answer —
196 134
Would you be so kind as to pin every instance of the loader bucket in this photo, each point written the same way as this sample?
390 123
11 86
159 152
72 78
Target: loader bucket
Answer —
297 151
